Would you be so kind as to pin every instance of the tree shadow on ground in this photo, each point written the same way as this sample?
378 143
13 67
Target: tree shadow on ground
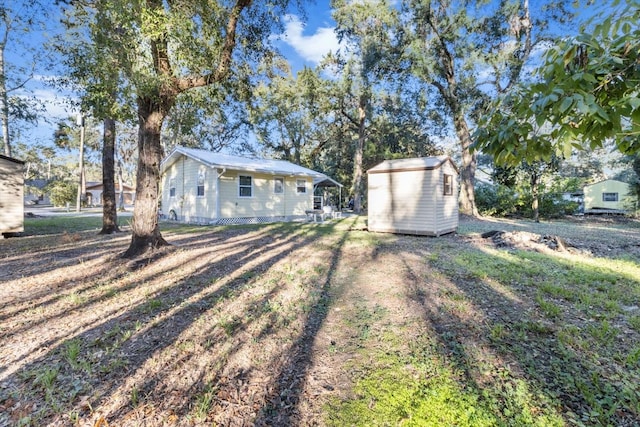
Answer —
131 352
482 321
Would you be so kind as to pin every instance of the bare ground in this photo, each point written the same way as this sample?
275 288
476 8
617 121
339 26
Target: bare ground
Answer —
248 326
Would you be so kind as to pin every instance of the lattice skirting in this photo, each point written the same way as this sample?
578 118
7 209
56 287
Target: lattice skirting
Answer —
235 221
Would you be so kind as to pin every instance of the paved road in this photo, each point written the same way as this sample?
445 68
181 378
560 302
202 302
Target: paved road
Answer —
49 210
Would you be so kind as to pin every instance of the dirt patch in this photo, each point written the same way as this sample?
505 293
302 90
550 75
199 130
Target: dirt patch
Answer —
589 236
527 241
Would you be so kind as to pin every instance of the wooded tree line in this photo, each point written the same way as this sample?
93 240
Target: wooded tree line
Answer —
205 73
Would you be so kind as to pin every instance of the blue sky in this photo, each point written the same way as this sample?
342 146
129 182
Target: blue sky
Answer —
303 43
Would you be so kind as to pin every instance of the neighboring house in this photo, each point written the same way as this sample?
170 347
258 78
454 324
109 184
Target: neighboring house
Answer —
94 190
576 197
608 196
200 186
11 195
414 196
34 192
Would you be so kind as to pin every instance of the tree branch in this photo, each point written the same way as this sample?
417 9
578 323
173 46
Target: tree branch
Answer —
221 71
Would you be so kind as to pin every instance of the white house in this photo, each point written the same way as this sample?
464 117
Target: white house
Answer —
200 186
11 195
414 196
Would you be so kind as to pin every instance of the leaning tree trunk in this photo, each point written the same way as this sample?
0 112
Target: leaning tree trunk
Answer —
146 233
449 93
109 210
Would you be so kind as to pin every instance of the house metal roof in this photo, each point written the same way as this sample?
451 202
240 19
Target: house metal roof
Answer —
413 164
267 166
11 159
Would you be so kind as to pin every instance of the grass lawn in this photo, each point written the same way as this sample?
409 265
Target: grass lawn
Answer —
322 324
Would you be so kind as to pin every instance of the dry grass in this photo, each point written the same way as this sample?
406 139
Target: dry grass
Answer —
277 324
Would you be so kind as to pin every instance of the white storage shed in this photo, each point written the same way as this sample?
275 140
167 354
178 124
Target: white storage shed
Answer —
414 196
11 195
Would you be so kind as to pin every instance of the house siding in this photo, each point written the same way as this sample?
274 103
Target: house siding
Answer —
412 201
263 201
11 196
186 203
593 195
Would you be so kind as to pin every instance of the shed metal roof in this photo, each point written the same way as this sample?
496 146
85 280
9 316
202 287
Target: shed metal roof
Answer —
226 161
606 180
412 164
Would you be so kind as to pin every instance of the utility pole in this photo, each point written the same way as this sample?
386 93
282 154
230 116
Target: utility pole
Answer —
81 174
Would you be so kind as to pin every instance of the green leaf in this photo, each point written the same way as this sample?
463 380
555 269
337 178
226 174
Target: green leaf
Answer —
565 105
569 55
582 107
634 102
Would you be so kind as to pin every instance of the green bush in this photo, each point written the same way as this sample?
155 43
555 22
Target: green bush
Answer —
499 200
496 200
62 192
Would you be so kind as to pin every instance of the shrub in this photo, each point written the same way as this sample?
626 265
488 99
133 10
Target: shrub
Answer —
496 200
499 200
62 192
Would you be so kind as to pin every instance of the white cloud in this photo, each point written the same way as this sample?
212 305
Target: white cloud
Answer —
312 47
57 107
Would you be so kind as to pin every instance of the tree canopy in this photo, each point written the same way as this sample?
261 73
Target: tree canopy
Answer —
469 51
586 92
165 49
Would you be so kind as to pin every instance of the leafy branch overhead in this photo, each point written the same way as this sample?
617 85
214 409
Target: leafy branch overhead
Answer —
586 92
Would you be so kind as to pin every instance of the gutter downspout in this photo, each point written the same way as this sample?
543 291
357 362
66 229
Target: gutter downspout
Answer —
183 198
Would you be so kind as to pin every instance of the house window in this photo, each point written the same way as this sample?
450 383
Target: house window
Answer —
245 183
200 187
448 185
301 186
278 185
172 188
609 197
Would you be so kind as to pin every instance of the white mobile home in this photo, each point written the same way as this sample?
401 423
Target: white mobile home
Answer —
203 187
11 195
414 196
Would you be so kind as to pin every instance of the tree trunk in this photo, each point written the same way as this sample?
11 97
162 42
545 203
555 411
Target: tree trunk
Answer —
4 104
146 233
535 185
109 211
121 185
468 169
358 189
81 183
